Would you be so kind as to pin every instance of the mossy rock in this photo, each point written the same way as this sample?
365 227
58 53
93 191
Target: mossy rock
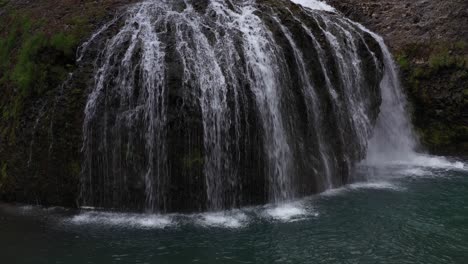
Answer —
38 43
3 175
435 76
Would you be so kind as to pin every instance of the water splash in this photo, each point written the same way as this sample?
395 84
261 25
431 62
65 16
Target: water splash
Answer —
223 219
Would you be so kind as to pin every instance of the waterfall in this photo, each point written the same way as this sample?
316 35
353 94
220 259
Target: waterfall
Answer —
214 104
393 137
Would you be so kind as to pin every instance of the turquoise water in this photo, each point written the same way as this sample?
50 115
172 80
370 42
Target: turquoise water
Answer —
402 214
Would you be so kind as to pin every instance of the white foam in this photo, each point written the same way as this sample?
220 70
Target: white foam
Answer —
315 4
437 162
379 185
288 212
414 172
223 219
28 207
89 208
418 160
375 185
122 219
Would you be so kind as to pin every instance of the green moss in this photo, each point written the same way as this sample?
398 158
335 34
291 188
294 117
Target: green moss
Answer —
31 63
462 74
442 60
3 175
436 56
4 3
403 62
442 136
27 71
421 61
430 70
75 169
193 160
460 45
8 43
80 25
16 27
462 131
26 60
438 137
416 74
32 72
448 55
432 136
65 43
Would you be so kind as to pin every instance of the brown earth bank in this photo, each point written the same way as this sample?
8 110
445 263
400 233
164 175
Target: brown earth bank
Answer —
429 39
40 135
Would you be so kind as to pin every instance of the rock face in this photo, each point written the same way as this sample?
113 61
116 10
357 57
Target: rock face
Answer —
404 22
430 41
40 122
173 146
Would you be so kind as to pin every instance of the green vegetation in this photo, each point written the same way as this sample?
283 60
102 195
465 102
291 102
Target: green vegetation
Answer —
439 136
443 59
403 62
3 3
38 44
3 175
36 54
420 60
19 26
31 64
193 160
27 71
436 76
75 169
39 58
65 43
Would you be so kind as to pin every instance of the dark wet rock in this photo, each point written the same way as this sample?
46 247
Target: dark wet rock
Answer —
41 144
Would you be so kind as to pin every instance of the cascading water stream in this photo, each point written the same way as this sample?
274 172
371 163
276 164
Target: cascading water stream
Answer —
213 104
393 141
393 137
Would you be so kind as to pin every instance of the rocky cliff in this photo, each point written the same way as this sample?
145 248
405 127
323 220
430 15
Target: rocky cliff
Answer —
41 123
429 39
50 135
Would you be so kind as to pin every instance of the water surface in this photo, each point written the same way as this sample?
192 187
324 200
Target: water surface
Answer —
402 214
